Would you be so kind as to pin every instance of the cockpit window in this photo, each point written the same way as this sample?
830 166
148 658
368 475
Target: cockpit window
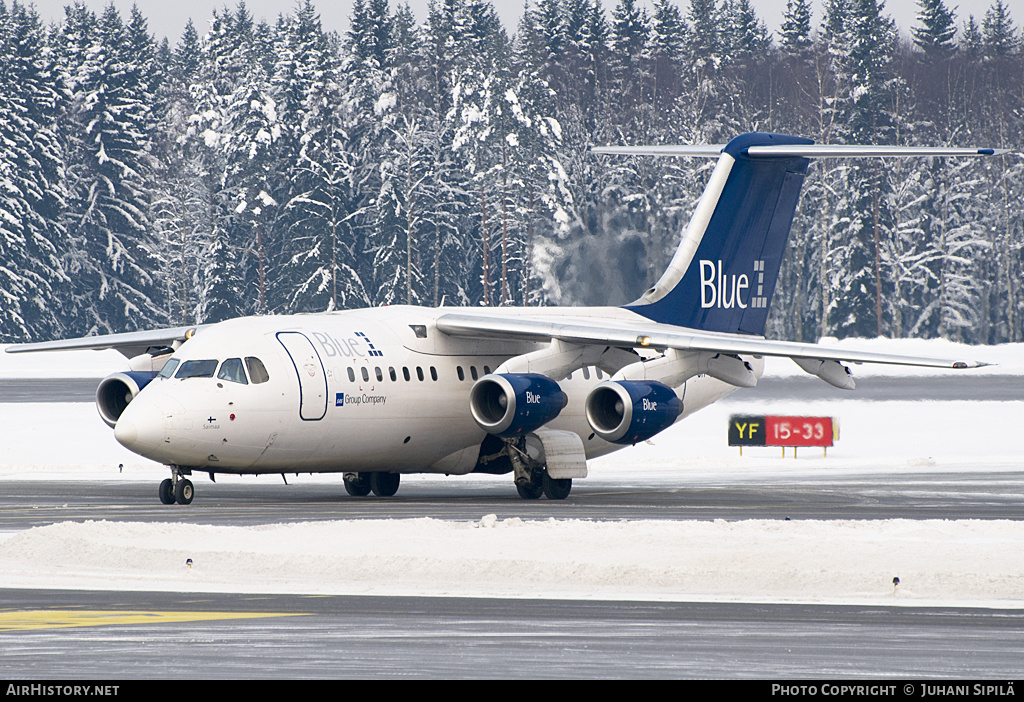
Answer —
196 369
232 370
168 370
257 371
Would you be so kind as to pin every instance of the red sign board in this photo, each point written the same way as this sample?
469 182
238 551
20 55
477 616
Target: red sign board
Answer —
780 431
798 431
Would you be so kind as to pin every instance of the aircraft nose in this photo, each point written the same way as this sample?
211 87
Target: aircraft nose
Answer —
126 433
141 427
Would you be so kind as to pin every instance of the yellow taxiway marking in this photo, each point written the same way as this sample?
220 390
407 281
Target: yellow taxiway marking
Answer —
58 619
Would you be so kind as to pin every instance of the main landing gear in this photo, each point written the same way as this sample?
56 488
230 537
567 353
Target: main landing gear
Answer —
540 483
380 484
177 488
531 475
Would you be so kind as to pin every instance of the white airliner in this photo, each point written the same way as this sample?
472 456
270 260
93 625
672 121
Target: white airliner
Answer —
535 392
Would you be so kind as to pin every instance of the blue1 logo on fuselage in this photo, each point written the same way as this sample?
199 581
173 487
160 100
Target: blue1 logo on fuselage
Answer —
346 347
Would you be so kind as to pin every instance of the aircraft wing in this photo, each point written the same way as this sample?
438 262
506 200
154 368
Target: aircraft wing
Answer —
645 334
129 344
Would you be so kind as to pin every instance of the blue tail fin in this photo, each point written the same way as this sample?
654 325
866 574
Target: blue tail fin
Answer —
723 276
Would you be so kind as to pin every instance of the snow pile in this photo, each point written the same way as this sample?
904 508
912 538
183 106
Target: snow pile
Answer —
756 560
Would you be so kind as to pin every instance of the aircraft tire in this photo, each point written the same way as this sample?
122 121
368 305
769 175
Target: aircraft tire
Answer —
166 491
358 485
557 488
384 484
184 492
531 491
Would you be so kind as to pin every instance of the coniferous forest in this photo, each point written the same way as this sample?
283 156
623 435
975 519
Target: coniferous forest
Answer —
261 167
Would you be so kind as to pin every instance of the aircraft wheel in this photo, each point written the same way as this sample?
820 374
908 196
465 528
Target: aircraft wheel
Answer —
183 492
166 491
530 491
557 488
384 484
357 484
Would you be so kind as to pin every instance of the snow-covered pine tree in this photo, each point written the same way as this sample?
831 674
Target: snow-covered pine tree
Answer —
746 36
795 32
315 261
629 72
704 40
227 60
32 236
665 52
253 129
936 36
862 217
114 262
180 211
970 38
368 73
999 36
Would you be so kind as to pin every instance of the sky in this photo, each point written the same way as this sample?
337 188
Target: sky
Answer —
169 18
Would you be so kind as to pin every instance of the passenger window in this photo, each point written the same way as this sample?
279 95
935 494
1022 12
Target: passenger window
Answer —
472 371
197 369
586 373
462 375
600 375
233 371
257 371
405 372
391 372
351 376
419 373
380 375
433 373
168 370
487 370
366 374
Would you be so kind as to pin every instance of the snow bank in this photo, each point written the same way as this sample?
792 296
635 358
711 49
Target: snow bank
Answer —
937 562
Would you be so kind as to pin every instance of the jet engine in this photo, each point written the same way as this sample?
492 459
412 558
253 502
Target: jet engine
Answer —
117 390
629 411
513 404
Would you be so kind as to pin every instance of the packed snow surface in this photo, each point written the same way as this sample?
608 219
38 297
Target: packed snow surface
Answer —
938 562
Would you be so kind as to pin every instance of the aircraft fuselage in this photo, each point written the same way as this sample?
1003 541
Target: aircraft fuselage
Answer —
361 390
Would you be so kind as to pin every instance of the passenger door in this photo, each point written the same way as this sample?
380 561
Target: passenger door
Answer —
310 371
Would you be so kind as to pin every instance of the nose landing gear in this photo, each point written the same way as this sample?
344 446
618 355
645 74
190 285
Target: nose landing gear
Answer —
177 488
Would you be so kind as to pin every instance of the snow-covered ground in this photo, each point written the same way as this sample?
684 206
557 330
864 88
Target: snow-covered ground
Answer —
939 562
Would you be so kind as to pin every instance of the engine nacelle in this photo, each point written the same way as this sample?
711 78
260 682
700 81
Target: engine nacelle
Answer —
629 411
117 390
513 404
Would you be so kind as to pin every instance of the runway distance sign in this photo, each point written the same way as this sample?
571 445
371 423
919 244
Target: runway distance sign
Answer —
773 430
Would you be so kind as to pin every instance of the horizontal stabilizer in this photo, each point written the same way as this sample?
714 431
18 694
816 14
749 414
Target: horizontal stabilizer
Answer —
805 151
855 151
699 150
